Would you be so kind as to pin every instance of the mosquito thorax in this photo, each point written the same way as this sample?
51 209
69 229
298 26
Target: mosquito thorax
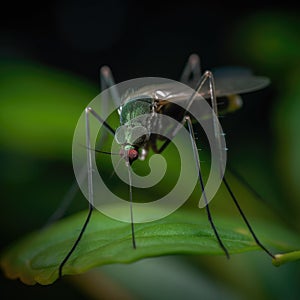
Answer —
133 108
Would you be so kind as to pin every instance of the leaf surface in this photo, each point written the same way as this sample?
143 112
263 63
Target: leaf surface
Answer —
36 258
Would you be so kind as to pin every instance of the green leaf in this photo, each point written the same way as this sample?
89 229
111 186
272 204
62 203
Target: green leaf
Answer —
36 258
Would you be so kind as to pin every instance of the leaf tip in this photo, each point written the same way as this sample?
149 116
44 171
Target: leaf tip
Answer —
283 258
277 261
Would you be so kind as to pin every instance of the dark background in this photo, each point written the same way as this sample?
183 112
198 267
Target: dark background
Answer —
135 38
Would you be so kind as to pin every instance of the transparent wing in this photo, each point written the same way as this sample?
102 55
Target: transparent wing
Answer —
228 81
167 91
234 80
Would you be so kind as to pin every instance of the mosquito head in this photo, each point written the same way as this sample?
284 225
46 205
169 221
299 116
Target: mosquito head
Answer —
129 153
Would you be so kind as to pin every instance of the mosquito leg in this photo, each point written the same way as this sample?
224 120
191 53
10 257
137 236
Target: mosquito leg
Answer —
198 166
88 111
197 161
104 123
207 75
192 71
74 188
245 219
110 99
131 208
107 81
217 131
60 269
90 194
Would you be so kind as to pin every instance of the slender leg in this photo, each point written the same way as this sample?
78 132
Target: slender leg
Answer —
197 161
217 132
198 166
192 71
245 219
76 242
208 76
109 98
104 123
88 111
107 81
131 207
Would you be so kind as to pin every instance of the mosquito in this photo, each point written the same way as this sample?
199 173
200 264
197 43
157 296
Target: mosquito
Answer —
225 83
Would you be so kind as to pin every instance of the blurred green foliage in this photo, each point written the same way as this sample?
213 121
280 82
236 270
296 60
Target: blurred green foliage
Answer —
269 41
40 107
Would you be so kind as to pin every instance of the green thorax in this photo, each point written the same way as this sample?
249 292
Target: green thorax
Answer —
134 108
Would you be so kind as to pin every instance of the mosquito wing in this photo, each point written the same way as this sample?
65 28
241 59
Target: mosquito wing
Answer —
172 92
234 80
228 81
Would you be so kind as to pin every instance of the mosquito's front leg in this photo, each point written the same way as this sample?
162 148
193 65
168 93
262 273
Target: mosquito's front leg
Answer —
107 81
192 71
88 112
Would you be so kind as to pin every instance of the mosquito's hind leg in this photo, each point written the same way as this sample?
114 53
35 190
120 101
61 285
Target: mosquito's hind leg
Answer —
245 219
217 132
